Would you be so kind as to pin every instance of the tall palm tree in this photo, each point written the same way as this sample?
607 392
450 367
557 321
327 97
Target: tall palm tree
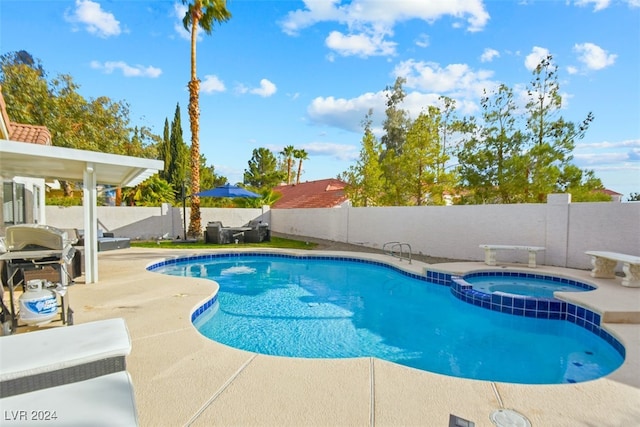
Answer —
287 152
300 155
203 14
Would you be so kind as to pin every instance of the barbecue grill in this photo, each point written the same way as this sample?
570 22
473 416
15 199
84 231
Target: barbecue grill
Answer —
31 248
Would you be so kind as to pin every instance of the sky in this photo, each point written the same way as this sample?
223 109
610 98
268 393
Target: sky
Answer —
305 73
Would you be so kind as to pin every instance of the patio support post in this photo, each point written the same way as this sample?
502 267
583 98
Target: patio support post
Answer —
89 203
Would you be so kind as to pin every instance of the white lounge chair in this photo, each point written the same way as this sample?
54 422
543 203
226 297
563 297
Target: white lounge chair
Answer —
78 372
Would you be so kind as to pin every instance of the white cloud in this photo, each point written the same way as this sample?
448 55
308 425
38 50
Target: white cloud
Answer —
455 80
489 54
179 10
96 21
127 70
632 144
265 90
429 82
375 12
368 22
597 4
346 113
337 151
532 60
360 44
211 84
593 56
607 155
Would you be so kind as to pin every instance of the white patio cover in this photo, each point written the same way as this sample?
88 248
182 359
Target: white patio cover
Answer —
92 168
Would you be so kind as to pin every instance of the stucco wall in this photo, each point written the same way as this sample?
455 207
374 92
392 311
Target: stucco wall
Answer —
142 223
565 229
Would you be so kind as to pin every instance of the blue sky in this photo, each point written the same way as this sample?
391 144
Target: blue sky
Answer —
305 73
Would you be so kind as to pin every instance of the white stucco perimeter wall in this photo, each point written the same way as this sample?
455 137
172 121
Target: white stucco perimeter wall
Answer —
145 223
566 230
446 231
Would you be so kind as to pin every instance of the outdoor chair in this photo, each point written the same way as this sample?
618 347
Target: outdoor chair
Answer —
259 232
216 233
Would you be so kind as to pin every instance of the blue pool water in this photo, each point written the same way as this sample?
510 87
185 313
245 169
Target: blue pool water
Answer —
527 286
328 308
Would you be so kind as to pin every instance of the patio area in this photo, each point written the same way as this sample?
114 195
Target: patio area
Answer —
182 378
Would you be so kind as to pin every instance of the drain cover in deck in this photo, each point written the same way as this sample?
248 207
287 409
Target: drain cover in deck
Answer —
509 418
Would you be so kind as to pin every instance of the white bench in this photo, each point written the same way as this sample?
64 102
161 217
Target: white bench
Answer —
490 252
604 264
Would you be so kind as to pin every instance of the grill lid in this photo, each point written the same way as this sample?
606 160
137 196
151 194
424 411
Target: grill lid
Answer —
35 236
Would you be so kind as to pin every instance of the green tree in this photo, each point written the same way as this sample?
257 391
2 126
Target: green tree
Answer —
300 155
262 172
96 124
287 153
421 158
395 128
152 192
209 179
397 120
550 138
584 186
492 161
178 162
267 197
165 149
365 181
449 124
200 14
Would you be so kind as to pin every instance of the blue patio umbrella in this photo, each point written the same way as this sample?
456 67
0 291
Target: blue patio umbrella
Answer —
228 190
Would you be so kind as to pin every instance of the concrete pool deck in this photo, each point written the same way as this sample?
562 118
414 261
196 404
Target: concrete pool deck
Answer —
183 378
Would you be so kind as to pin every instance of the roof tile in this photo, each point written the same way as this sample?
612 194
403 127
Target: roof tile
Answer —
324 193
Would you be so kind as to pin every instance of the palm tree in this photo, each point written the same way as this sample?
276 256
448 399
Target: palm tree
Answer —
203 14
287 152
300 155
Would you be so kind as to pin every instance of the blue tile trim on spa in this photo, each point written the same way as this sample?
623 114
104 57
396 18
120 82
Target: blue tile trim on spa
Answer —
517 274
539 308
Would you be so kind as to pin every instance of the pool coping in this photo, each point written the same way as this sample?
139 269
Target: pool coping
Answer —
182 378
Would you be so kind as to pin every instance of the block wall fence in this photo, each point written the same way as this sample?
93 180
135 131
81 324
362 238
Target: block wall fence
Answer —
567 230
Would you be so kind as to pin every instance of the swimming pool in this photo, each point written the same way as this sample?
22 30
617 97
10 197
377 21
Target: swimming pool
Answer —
323 307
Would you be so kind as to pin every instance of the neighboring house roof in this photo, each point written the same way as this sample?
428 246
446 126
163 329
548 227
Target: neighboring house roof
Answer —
324 193
610 192
20 132
615 197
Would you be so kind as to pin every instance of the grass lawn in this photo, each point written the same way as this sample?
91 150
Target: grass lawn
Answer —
276 242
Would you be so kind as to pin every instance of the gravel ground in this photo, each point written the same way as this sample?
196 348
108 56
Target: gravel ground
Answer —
329 245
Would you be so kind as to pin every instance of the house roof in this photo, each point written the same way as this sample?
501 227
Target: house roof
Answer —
610 192
21 132
324 193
